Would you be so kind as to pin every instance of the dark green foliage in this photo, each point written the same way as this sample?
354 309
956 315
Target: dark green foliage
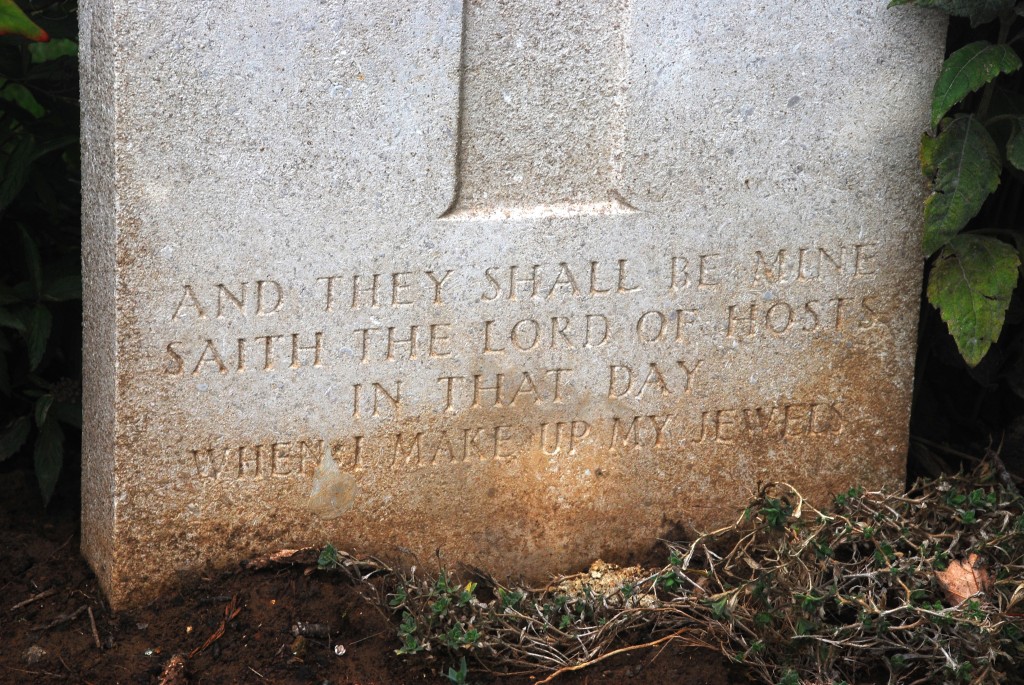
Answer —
964 164
971 283
14 22
973 279
967 70
40 289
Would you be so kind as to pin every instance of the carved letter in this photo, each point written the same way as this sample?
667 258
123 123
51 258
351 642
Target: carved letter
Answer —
735 319
558 382
655 379
410 456
395 400
862 256
439 335
214 358
488 345
591 320
478 387
578 431
372 290
622 287
514 282
689 373
176 364
189 298
448 405
704 272
238 302
268 348
521 330
329 299
594 290
439 283
613 372
773 321
399 282
489 274
261 302
772 273
564 278
280 453
680 279
316 348
526 387
655 331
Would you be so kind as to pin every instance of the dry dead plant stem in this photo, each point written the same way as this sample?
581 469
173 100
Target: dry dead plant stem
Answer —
34 598
95 632
622 650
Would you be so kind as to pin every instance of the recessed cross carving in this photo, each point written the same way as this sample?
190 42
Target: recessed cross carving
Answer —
541 114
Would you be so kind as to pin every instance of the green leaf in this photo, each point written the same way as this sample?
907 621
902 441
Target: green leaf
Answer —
14 22
23 97
43 405
964 164
979 11
9 320
66 413
1015 145
459 677
49 457
328 558
14 170
967 70
970 284
13 436
40 322
55 49
33 263
63 288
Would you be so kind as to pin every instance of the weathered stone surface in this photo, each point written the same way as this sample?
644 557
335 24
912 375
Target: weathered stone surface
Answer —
530 282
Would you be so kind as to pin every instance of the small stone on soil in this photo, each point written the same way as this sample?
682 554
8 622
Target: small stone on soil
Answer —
34 654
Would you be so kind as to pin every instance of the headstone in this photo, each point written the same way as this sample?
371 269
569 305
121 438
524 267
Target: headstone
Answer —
530 283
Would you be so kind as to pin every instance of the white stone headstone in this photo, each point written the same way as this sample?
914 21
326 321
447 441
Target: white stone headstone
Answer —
530 282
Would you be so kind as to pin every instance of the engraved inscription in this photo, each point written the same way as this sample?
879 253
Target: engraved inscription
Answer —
547 359
464 444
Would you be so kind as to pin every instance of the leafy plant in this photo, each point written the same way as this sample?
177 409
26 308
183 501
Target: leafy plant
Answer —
436 613
328 558
459 676
936 600
40 340
13 21
972 142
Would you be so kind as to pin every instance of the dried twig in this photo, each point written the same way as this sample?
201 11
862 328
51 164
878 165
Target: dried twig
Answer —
622 650
230 612
34 598
95 632
63 618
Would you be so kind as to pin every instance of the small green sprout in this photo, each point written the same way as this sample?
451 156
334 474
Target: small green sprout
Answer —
328 558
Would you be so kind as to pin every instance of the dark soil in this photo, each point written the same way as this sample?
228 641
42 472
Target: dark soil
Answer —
52 640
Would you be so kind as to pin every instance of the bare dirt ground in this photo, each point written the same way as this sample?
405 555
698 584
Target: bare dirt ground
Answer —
55 626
